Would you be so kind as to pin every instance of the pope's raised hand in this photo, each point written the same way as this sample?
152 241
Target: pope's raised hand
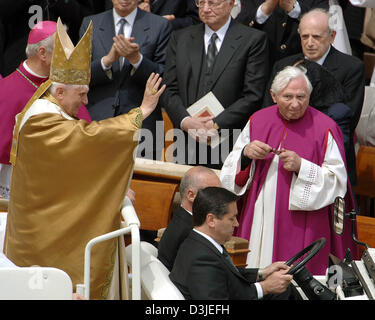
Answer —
151 94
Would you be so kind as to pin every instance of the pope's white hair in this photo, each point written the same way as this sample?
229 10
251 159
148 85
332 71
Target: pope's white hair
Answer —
287 74
55 85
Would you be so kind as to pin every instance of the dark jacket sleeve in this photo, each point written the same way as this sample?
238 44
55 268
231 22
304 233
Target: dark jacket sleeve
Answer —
171 99
209 280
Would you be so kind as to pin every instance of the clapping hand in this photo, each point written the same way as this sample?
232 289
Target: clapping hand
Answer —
145 5
127 48
269 6
287 5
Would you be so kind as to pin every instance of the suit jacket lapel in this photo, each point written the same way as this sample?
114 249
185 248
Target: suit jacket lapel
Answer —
106 33
331 63
207 243
232 41
196 49
231 265
185 216
141 29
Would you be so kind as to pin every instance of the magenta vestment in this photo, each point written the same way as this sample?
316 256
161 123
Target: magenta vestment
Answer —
15 91
294 230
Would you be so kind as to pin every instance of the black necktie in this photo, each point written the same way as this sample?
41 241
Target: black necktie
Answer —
211 52
121 31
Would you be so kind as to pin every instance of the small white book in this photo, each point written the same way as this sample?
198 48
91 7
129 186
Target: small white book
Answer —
207 106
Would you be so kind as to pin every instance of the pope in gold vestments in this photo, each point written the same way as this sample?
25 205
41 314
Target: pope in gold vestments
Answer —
69 179
68 185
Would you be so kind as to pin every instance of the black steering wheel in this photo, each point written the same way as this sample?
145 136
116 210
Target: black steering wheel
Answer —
311 251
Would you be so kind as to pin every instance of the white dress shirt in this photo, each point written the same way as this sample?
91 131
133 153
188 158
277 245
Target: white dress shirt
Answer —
208 32
323 58
128 28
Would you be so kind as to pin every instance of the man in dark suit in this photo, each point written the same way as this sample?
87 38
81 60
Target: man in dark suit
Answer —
128 45
233 66
181 13
317 35
203 268
279 19
181 224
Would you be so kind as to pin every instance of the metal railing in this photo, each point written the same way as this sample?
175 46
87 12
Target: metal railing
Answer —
132 226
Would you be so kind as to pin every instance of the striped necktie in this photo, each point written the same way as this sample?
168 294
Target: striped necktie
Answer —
211 52
122 23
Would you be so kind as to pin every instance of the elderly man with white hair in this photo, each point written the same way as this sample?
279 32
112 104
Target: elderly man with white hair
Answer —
289 166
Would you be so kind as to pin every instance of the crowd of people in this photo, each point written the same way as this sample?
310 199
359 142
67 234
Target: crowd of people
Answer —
82 95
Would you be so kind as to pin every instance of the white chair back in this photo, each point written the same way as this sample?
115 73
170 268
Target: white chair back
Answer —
35 283
155 280
3 225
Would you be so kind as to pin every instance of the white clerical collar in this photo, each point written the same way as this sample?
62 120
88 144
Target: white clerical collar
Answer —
322 59
129 18
217 245
32 72
220 33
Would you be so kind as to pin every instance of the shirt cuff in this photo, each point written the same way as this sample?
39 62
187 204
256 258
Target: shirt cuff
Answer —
183 121
259 290
260 17
296 12
136 65
103 66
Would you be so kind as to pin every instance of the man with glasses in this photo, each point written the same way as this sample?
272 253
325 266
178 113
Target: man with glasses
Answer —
222 56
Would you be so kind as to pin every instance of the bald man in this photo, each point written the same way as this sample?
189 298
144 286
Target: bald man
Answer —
181 224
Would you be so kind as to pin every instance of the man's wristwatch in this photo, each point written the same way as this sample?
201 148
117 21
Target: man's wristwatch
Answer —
216 126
